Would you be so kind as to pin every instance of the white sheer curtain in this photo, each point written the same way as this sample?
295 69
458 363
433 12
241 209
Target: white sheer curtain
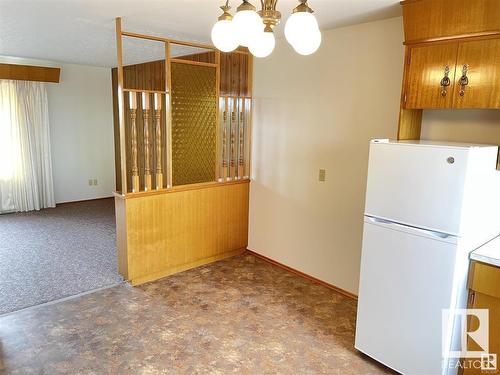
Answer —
25 161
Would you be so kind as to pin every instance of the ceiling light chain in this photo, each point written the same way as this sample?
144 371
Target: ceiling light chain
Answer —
254 30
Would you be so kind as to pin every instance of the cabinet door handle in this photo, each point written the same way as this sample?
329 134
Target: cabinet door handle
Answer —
472 299
464 80
445 82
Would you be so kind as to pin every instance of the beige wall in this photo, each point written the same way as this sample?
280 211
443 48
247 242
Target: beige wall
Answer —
81 123
81 130
320 112
479 126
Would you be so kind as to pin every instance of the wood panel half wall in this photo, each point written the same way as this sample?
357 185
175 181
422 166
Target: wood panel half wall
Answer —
161 233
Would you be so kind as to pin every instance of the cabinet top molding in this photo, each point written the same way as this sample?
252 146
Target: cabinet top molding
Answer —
435 20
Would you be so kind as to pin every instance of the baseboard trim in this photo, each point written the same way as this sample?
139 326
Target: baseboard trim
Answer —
84 200
305 275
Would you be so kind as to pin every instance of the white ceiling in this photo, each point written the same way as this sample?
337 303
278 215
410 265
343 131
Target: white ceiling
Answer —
82 31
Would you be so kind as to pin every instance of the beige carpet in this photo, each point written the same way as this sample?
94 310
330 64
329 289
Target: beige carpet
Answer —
58 252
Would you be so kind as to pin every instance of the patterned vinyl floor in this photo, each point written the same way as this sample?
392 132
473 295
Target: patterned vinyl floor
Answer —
237 316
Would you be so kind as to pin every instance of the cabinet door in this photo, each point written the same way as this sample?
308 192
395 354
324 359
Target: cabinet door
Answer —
425 73
483 301
484 282
482 61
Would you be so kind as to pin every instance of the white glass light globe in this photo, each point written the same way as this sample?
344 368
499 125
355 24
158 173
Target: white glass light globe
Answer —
302 32
247 25
263 44
298 23
224 36
308 45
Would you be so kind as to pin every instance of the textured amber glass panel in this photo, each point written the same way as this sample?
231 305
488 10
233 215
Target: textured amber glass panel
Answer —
194 126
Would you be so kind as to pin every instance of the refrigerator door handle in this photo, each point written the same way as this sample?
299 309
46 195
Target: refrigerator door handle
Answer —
413 229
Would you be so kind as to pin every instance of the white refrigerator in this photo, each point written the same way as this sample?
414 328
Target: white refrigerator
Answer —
428 205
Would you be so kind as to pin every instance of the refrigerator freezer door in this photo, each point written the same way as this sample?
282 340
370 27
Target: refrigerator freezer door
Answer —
416 185
406 281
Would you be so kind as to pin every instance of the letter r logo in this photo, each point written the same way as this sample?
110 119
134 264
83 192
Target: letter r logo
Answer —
454 320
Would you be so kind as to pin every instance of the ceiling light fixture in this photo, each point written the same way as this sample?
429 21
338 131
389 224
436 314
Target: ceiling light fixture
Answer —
223 33
255 30
262 45
247 23
302 30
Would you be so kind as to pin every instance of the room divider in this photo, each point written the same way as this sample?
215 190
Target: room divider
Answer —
182 114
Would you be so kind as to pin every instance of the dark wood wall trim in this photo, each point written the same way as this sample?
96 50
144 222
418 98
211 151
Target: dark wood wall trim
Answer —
29 73
305 275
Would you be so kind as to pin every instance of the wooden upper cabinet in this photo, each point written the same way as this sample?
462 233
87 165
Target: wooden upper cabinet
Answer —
473 75
453 33
431 20
428 66
478 65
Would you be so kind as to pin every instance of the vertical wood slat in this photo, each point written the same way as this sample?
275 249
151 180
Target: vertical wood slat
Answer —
249 76
220 135
232 138
168 112
242 76
248 136
241 138
235 133
134 144
235 75
158 145
116 130
225 153
147 141
121 109
227 135
248 106
217 117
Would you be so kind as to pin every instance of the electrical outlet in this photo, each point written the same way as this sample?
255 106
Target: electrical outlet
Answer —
95 181
322 175
90 182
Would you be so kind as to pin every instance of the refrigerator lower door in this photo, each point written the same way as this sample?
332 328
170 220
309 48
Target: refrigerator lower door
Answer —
406 280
